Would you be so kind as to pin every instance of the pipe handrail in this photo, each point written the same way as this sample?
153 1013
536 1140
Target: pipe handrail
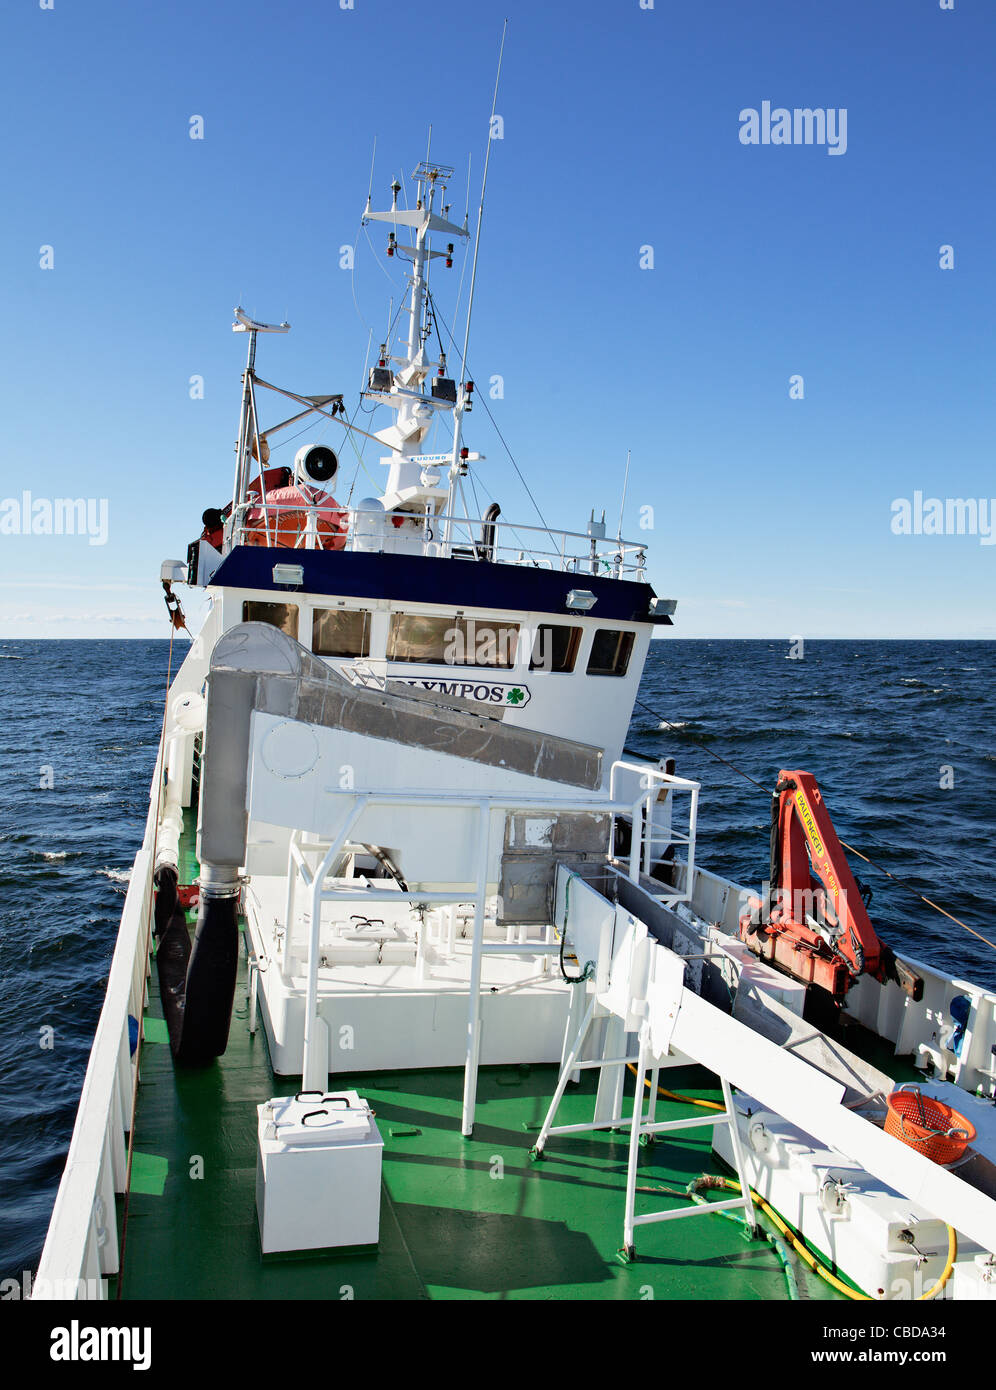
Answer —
608 556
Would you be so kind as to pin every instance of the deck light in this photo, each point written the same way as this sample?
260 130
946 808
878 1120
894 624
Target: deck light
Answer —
581 600
288 574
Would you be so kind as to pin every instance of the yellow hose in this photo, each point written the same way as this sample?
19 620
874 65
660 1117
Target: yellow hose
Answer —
814 1264
800 1249
673 1095
946 1272
794 1241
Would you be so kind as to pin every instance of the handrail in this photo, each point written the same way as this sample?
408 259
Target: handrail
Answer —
609 556
81 1247
641 855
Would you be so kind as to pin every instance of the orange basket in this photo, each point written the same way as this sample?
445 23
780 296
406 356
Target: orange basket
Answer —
928 1125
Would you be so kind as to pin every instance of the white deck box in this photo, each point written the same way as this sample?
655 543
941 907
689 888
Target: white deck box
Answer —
318 1170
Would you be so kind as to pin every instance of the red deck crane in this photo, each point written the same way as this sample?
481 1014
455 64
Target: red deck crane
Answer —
813 922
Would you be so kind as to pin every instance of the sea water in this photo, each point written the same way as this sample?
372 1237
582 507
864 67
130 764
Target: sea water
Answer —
900 736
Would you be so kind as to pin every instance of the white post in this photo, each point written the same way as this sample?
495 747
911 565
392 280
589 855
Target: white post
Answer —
314 1065
474 1006
420 949
692 824
611 1080
292 871
636 840
634 1144
738 1153
655 1074
568 1066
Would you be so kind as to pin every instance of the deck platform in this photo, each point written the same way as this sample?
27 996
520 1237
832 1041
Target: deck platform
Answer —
460 1219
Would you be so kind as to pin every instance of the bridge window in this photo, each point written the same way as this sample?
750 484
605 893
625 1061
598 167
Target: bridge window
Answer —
281 615
610 652
556 648
340 632
425 638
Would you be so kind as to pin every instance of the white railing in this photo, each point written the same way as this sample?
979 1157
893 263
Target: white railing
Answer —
653 823
81 1249
571 552
445 536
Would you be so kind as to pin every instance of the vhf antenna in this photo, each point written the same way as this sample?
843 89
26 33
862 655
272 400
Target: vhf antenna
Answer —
457 414
622 504
480 210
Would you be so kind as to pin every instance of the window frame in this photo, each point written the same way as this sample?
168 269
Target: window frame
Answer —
294 608
573 648
454 622
625 644
366 617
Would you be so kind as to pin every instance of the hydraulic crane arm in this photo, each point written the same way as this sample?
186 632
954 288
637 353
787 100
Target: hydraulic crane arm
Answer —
814 922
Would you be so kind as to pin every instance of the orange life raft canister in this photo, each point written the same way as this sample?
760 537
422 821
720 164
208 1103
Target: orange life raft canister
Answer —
288 510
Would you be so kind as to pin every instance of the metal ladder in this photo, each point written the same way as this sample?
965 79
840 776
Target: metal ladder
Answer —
641 1122
646 1124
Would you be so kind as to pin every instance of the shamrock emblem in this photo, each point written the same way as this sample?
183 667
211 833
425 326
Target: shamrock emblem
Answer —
516 696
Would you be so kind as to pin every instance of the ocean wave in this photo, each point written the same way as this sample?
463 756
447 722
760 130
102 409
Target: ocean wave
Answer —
116 875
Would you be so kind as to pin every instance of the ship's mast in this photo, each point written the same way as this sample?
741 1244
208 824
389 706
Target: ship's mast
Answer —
426 195
247 415
398 381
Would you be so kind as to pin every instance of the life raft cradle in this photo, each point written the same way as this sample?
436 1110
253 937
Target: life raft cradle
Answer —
283 515
288 515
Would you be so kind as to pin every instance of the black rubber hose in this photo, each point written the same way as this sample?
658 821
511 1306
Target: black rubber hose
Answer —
210 983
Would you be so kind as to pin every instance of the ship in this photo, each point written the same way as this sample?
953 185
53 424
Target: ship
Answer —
421 989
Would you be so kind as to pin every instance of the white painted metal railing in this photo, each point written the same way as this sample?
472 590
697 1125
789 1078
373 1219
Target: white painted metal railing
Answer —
509 542
652 817
81 1249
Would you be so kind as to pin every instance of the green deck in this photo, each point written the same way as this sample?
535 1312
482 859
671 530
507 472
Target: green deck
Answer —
459 1218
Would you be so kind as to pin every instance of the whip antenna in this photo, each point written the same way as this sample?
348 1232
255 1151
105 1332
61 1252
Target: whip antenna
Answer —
480 210
622 504
458 412
373 158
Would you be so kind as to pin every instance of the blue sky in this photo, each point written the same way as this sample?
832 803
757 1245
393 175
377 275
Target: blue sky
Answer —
772 515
